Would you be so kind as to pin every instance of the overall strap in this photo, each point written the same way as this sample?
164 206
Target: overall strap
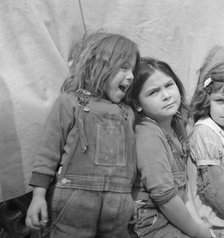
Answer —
81 102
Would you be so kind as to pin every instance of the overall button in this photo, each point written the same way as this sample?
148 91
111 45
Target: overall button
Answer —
65 181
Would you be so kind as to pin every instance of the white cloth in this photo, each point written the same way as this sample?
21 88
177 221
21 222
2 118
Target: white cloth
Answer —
206 144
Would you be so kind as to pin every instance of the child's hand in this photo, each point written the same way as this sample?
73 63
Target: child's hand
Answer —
205 231
37 215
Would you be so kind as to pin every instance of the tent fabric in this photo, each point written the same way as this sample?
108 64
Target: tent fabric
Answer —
36 37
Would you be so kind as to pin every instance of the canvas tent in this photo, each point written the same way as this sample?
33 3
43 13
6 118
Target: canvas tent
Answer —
36 37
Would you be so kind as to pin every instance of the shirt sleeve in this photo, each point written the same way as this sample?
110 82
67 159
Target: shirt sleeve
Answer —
205 146
59 122
154 164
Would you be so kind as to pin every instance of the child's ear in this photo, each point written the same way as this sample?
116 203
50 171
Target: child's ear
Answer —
137 108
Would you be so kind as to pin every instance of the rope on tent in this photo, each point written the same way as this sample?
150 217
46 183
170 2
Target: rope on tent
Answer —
83 19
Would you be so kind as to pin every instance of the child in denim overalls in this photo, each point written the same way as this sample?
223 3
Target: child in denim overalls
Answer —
89 140
207 141
164 203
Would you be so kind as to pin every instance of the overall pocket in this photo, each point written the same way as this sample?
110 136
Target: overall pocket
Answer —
180 179
148 220
110 145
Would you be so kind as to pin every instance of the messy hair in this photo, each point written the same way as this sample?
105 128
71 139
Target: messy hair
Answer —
96 59
148 66
213 68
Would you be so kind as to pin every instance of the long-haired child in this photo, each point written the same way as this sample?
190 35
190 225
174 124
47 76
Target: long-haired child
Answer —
207 141
88 145
164 203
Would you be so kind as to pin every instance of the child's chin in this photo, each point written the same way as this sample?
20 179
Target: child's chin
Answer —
116 101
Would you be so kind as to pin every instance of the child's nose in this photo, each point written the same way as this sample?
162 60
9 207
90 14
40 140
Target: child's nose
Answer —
130 76
165 94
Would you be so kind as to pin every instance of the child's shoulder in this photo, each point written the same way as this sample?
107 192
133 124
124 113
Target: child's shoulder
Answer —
205 126
129 111
67 99
204 132
148 127
65 103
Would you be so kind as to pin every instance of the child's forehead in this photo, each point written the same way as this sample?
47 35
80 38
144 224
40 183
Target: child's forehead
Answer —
218 94
128 60
218 87
132 60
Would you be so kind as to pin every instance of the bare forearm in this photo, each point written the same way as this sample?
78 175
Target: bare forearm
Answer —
190 205
177 214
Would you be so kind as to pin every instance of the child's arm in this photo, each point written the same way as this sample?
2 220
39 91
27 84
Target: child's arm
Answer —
213 180
190 205
37 215
177 213
191 190
206 151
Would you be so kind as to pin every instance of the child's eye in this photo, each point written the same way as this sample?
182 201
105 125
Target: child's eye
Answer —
152 92
170 84
125 66
219 101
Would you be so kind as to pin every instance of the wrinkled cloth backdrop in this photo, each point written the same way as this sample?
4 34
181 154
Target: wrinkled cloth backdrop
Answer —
35 40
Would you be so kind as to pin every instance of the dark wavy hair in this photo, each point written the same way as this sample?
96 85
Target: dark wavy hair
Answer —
148 66
96 59
213 67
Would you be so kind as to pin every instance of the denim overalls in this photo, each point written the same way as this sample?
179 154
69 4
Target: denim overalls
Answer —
149 222
91 197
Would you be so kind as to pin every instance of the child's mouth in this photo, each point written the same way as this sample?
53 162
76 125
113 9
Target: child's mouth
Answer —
123 88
